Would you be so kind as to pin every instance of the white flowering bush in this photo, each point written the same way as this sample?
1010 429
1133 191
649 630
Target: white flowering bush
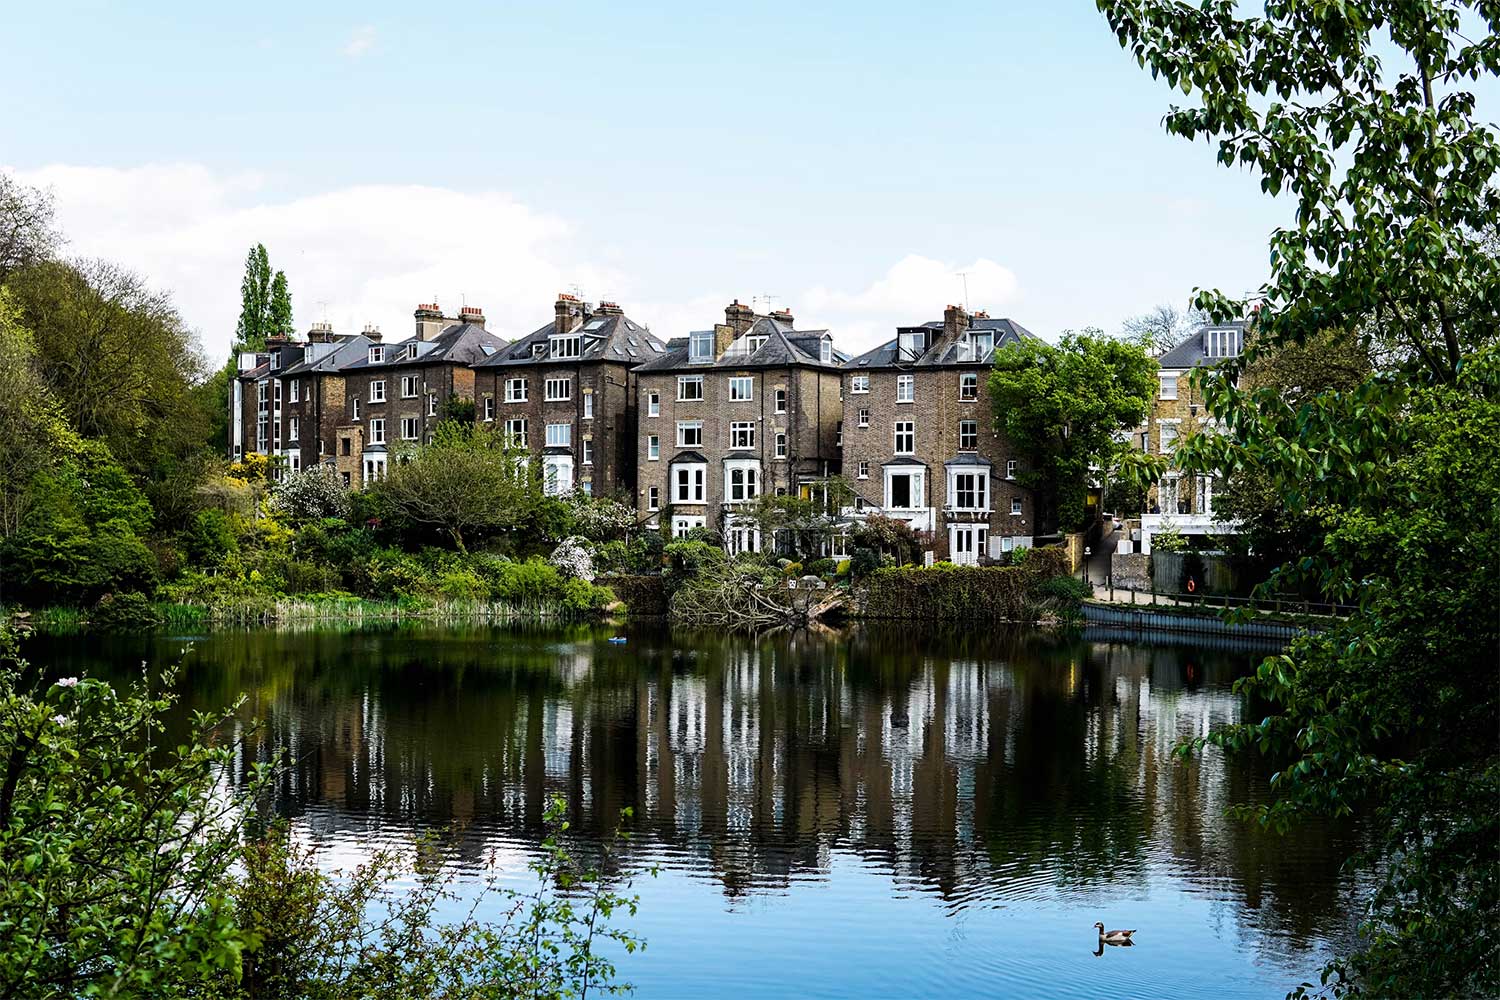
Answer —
573 559
600 519
310 495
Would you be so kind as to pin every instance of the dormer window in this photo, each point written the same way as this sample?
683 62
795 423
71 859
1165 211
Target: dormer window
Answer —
1222 343
275 360
411 351
377 355
826 350
910 344
566 346
984 344
538 349
701 345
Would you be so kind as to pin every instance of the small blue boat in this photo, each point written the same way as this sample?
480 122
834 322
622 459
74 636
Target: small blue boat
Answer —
618 640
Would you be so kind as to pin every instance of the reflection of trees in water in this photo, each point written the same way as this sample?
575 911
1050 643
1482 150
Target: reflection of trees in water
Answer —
973 765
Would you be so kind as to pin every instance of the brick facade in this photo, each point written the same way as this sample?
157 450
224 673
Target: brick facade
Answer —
767 421
916 420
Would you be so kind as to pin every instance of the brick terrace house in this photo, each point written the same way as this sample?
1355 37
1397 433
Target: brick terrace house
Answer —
919 439
285 401
1185 501
397 392
748 407
566 393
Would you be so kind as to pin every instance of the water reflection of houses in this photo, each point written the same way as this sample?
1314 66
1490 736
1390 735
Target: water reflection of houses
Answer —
980 768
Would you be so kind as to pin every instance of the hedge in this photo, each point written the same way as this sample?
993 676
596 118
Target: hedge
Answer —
643 596
964 593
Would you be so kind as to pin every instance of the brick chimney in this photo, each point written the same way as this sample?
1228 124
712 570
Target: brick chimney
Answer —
320 333
568 313
430 321
955 321
472 314
784 316
740 318
372 333
609 309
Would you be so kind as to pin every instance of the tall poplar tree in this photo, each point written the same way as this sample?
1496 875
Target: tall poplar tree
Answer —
265 301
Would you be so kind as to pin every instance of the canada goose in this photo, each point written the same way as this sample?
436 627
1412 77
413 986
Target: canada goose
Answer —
1114 937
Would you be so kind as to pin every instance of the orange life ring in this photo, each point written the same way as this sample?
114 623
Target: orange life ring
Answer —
1192 585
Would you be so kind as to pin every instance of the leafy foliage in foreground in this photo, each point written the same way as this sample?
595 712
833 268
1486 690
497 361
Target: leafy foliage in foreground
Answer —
1391 483
118 877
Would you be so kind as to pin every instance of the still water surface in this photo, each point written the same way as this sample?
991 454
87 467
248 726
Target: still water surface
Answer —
862 814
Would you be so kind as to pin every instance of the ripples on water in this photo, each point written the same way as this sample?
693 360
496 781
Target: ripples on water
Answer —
860 814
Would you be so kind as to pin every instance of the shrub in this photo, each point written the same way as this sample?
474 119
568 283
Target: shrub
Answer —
572 559
313 494
949 593
1068 589
863 562
209 538
822 567
125 612
691 556
462 585
843 567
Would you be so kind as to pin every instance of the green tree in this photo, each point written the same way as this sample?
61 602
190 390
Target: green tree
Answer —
465 483
1064 408
1359 111
279 311
265 302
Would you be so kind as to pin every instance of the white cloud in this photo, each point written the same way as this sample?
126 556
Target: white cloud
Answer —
361 41
357 255
370 253
914 290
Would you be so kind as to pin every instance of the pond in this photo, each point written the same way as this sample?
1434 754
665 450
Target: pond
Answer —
871 813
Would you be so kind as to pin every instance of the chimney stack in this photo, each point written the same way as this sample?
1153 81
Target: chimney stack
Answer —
320 333
955 321
568 313
609 309
430 321
740 318
783 316
472 314
372 333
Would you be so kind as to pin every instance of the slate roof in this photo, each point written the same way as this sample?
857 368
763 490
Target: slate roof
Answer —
458 344
688 458
342 352
942 350
783 346
606 337
1193 351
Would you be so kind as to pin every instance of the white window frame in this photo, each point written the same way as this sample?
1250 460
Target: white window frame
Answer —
863 470
683 523
1166 443
781 444
741 388
653 404
515 389
653 498
695 490
859 383
432 404
906 388
742 435
377 391
653 448
565 346
588 451
864 416
489 409
907 429
683 381
700 346
588 404
979 488
293 428
294 390
377 430
410 386
962 425
1011 465
683 426
557 474
741 481
559 435
411 429
1167 386
558 390
968 387
515 432
917 483
779 401
377 355
1015 507
354 409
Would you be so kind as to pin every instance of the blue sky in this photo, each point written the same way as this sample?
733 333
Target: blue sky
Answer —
847 159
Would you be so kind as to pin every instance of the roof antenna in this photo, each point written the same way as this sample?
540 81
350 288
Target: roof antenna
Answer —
964 277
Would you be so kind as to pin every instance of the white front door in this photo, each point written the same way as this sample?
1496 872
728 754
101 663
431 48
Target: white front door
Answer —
965 543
